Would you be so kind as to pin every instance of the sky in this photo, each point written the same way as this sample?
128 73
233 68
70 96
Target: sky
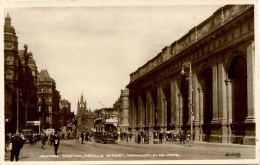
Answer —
92 50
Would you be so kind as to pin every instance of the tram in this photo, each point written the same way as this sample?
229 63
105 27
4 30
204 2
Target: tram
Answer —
107 135
105 126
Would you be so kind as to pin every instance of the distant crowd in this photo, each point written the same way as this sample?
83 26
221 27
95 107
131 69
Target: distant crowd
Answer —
156 137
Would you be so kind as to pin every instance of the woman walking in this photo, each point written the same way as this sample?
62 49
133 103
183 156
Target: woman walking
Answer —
43 139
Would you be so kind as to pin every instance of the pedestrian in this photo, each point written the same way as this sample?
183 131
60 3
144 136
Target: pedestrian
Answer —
142 137
31 140
17 144
139 138
35 138
77 137
87 136
82 137
160 137
182 136
146 137
50 138
43 139
66 135
56 142
154 135
127 136
7 142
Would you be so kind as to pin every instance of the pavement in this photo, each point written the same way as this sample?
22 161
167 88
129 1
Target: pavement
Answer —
198 143
199 150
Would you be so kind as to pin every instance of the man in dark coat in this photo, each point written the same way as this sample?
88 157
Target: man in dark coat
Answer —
17 144
82 137
86 136
56 142
160 137
139 138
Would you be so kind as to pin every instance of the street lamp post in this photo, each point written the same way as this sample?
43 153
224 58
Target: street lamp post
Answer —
7 125
188 65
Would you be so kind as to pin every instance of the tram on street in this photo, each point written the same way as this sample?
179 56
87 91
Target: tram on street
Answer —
105 126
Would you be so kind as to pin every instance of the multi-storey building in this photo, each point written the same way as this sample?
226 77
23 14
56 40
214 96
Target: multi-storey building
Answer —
85 118
122 106
11 75
20 82
220 54
28 81
65 112
48 101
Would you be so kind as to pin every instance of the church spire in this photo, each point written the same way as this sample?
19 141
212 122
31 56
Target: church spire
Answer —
81 98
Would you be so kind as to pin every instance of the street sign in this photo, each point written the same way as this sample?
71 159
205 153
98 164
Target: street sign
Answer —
33 123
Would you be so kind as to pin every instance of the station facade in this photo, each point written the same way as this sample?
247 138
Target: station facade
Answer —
221 53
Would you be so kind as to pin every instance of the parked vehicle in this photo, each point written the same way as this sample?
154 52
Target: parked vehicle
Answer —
28 134
49 131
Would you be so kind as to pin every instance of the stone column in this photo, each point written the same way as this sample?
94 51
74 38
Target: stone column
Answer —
148 109
143 115
152 117
201 113
140 112
222 98
180 109
130 113
146 117
215 93
149 120
230 100
153 108
160 106
250 81
134 118
196 107
164 117
176 106
174 99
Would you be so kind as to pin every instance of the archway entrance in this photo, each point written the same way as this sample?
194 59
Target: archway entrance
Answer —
238 74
